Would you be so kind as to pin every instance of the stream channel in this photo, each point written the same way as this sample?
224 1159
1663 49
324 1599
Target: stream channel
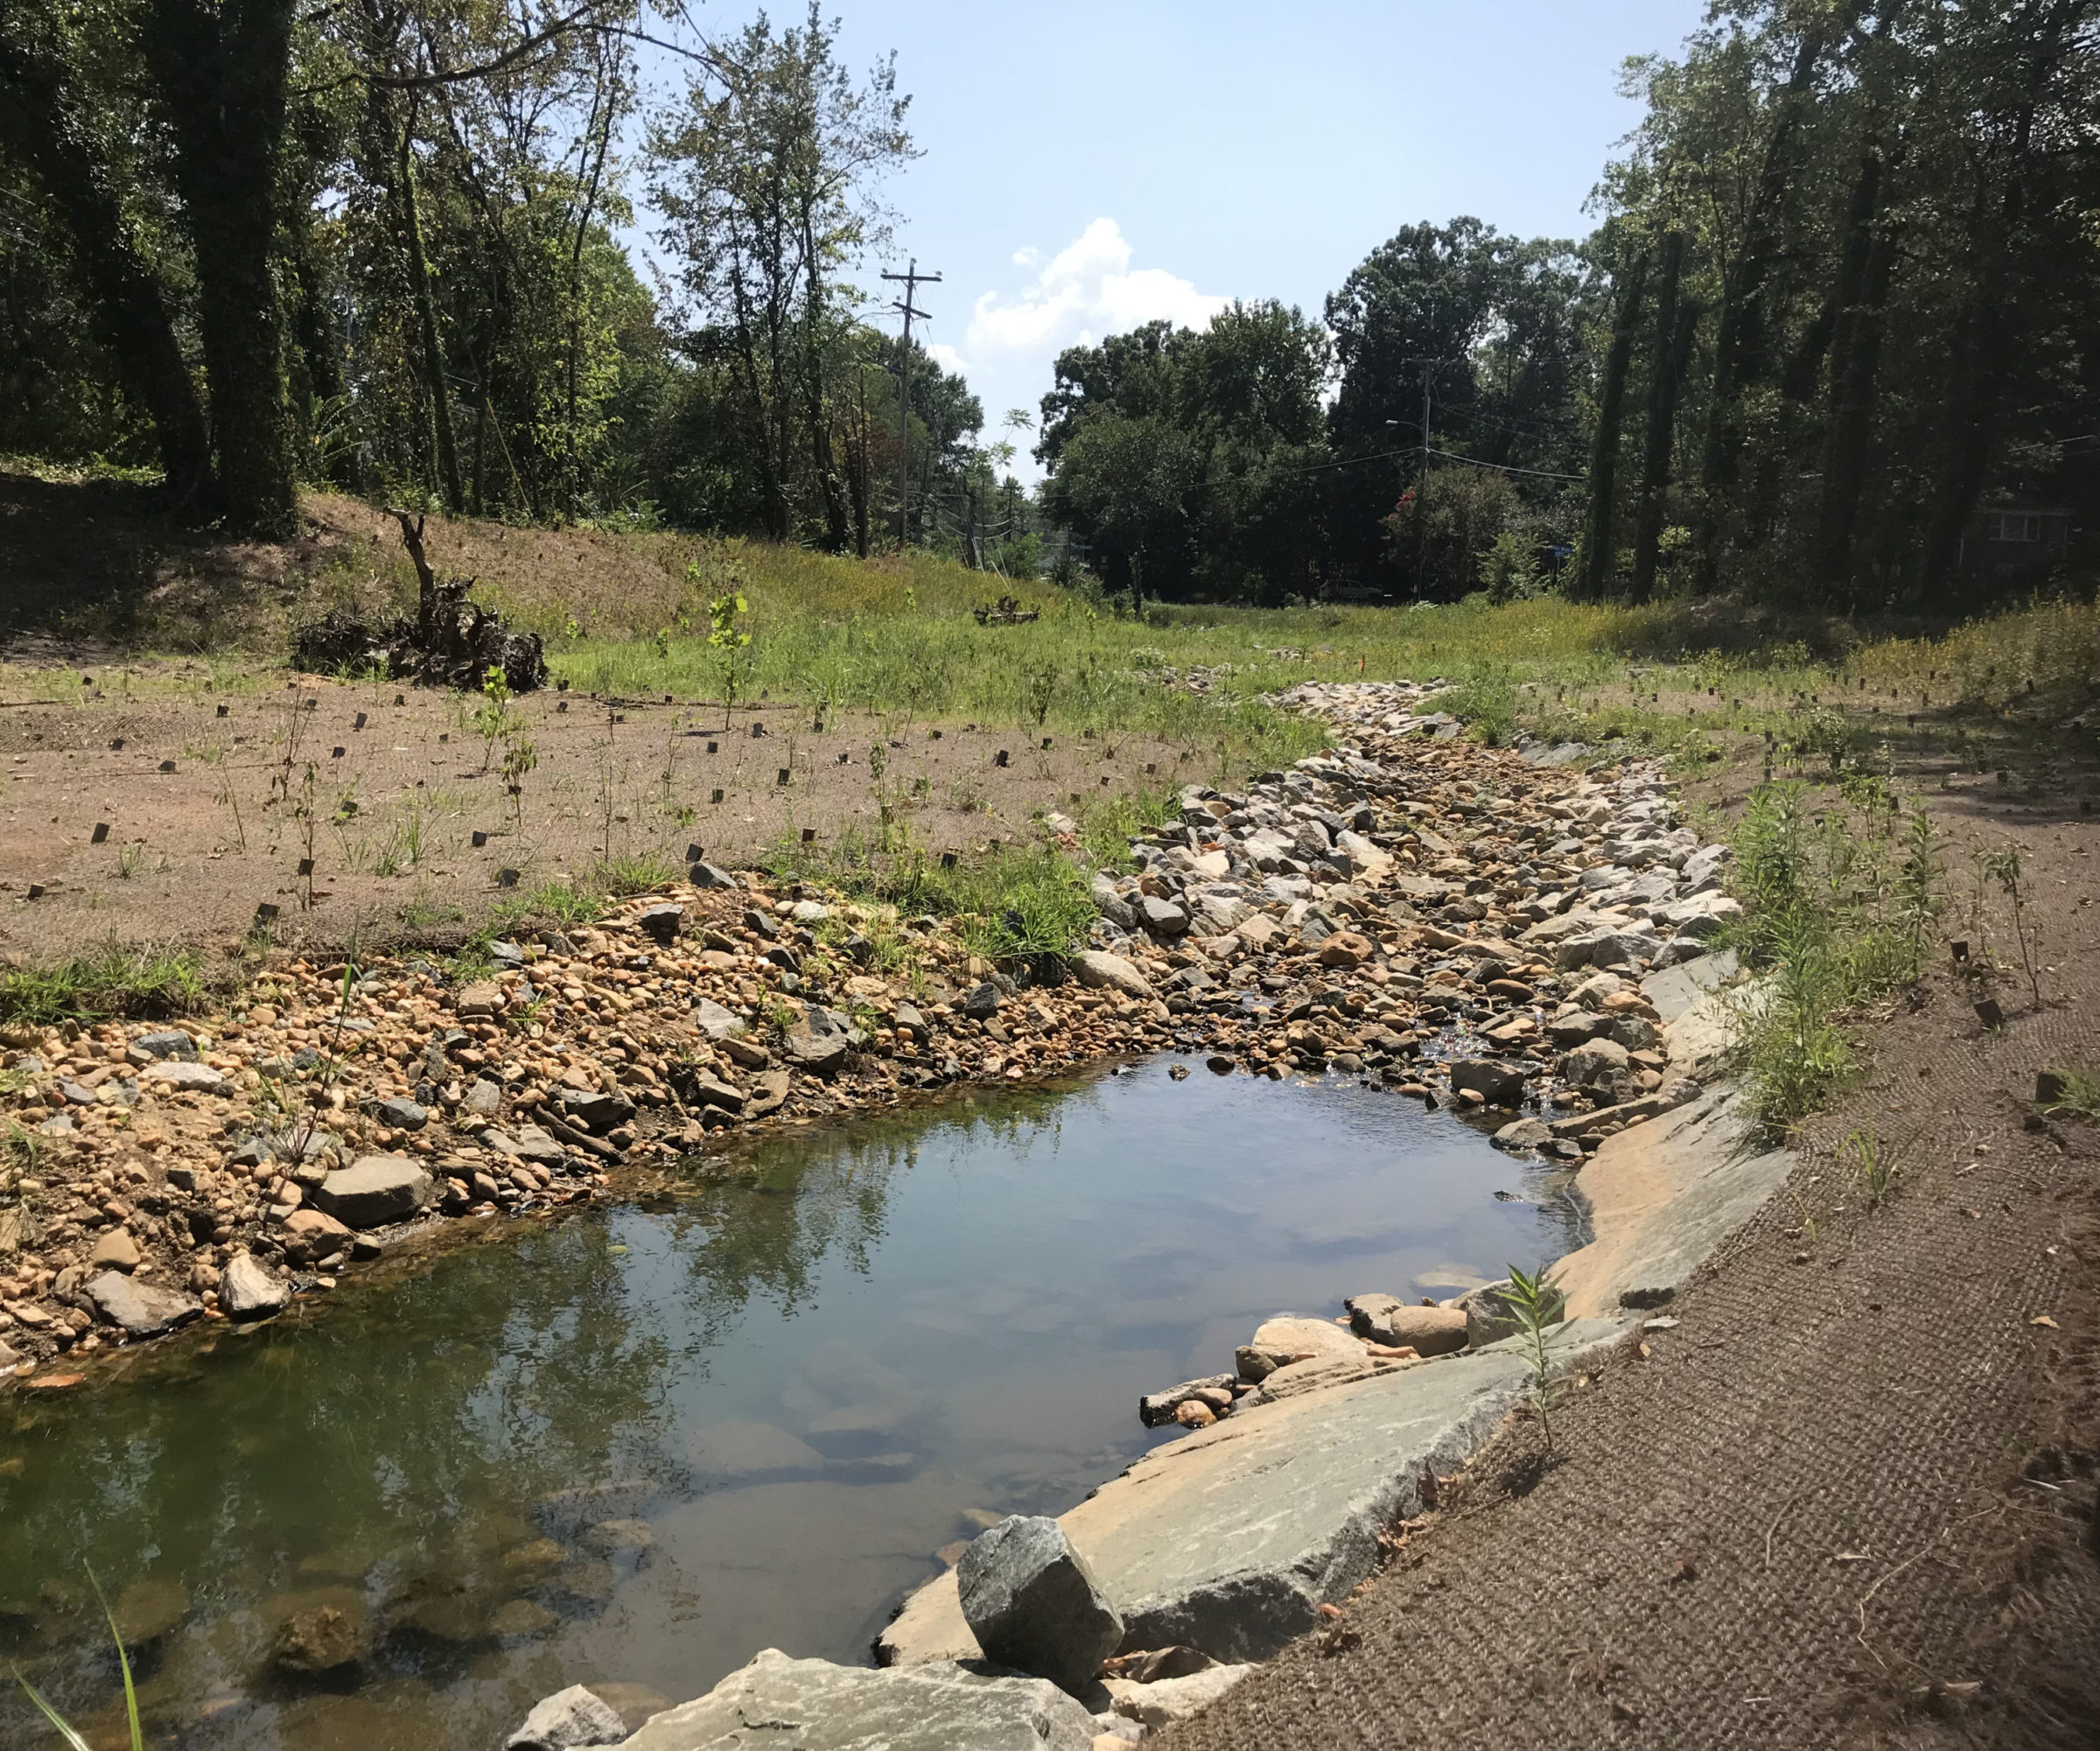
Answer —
638 1446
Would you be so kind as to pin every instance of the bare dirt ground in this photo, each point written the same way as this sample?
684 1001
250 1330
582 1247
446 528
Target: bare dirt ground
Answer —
202 785
1850 1499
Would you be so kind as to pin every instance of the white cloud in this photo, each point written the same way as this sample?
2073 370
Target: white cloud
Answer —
1086 290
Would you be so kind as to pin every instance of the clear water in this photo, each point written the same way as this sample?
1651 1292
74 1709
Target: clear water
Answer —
801 1380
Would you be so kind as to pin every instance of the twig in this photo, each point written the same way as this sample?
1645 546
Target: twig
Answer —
1773 1527
1945 1532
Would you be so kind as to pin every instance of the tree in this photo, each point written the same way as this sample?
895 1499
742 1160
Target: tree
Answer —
766 182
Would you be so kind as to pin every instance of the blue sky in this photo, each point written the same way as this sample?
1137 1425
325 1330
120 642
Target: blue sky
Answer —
1087 167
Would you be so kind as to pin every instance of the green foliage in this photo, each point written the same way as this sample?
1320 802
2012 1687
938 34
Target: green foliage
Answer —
113 979
71 1734
1539 1309
1871 1163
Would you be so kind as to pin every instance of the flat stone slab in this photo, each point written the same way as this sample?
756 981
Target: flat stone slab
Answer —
1230 1540
178 1073
814 1706
1674 990
143 1309
374 1190
1662 1196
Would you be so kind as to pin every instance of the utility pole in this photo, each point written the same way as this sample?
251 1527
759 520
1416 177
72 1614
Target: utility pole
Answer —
912 279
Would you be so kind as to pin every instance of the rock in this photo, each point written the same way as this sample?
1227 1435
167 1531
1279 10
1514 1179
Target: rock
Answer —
588 1110
401 1113
484 997
1099 970
822 1055
170 1042
1676 989
116 1251
322 1638
1111 905
1523 1134
981 1002
936 1707
1598 1062
662 924
194 1078
1388 1320
484 1098
147 1610
698 1088
769 1092
749 1452
1032 1601
374 1190
248 1290
633 1703
1497 1085
716 1022
1345 948
520 1617
1219 1064
1635 1032
566 1719
1161 917
143 1309
1287 1338
616 1537
311 1236
707 875
1166 1700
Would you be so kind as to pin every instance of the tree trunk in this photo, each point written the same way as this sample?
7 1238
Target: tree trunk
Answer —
131 310
222 71
1740 341
435 387
1867 267
1666 366
1604 450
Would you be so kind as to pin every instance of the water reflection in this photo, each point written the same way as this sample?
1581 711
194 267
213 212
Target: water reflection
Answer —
641 1446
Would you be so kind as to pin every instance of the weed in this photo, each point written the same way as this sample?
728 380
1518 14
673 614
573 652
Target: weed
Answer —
625 877
1874 1168
2003 867
130 857
1540 1310
123 1661
2078 1094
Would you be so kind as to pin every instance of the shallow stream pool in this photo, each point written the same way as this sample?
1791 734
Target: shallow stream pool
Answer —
638 1446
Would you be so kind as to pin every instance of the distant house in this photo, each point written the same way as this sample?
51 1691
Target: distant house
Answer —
2012 537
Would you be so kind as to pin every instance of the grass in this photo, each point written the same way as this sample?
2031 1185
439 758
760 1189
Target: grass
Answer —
106 981
2080 1095
1840 902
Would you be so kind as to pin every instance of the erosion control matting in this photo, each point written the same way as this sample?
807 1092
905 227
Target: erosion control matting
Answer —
1848 1500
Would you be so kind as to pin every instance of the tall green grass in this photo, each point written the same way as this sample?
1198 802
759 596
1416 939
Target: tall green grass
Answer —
110 980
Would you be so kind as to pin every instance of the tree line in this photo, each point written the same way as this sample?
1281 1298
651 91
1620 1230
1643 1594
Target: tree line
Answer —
379 245
1843 292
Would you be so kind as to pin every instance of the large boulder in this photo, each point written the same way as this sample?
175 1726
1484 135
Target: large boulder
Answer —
1598 1064
1033 1604
1286 1339
1388 1320
566 1719
936 1707
143 1309
248 1290
1499 1085
374 1190
1100 970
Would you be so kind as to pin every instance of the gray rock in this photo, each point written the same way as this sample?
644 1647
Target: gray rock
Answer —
248 1290
1635 1032
660 923
485 1097
1593 1065
1111 905
814 1706
819 1053
594 1111
400 1112
143 1309
1523 1134
1577 1027
1032 1602
170 1042
1161 917
1673 990
751 1452
706 875
1099 970
1164 1701
176 1072
373 1190
1157 1408
566 1719
1497 1083
981 1002
717 1022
